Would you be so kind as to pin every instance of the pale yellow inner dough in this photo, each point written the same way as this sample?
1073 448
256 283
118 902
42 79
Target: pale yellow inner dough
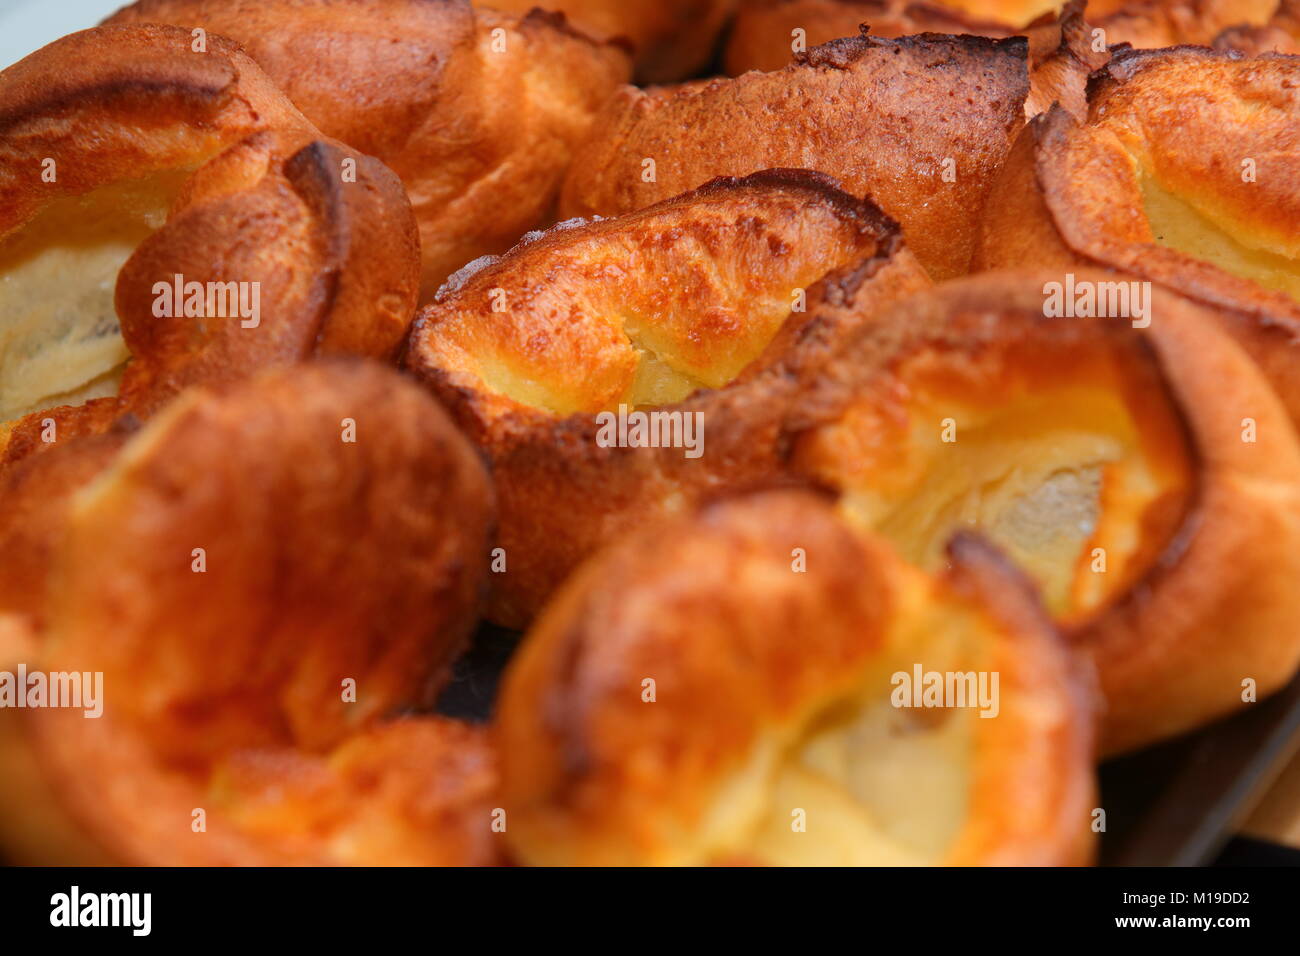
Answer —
60 341
1030 476
1179 225
880 785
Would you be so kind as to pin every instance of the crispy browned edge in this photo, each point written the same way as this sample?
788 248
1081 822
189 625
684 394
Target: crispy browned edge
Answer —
1023 227
561 495
749 43
1060 53
672 39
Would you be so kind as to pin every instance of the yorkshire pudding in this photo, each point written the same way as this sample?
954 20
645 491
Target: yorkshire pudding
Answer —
879 115
695 695
168 218
477 111
767 34
1148 479
661 316
673 39
1153 24
1186 172
262 575
1141 23
1281 34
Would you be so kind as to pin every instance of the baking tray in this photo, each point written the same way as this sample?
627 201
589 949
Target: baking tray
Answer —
1178 803
1175 804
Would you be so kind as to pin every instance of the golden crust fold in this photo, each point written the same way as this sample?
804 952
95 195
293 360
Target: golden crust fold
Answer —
478 111
1198 196
671 39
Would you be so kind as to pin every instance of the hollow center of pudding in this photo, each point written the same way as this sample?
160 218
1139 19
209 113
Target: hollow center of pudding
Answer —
639 311
60 341
867 783
1077 488
1176 223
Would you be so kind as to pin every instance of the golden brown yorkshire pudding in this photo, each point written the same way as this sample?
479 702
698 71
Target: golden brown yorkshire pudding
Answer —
665 316
673 39
1281 34
1153 24
879 115
1186 172
1147 479
1193 17
767 34
1063 51
726 688
477 111
168 218
262 576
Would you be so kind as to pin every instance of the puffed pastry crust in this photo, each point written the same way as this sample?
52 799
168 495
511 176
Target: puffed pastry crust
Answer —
691 692
478 111
1147 479
229 570
177 167
677 308
1185 172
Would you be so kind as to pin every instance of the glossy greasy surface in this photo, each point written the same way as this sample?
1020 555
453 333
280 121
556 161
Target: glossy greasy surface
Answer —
644 309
